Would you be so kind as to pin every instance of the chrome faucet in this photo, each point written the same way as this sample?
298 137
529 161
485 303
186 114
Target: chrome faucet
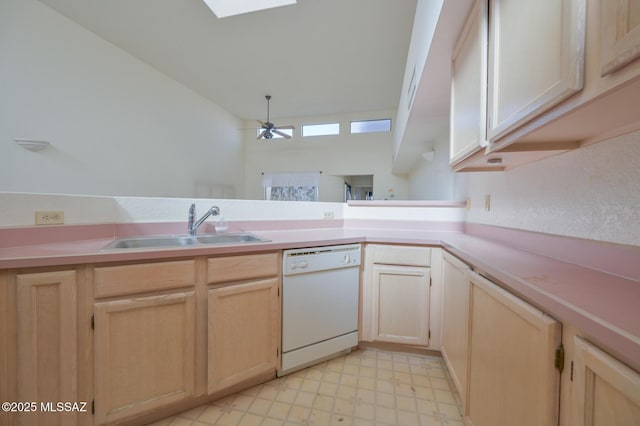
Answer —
193 227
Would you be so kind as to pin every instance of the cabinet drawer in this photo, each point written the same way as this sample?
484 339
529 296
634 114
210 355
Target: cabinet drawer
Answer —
131 279
402 255
235 268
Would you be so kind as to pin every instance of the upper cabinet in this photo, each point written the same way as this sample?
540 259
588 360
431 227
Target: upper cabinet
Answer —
619 33
469 87
536 59
424 99
561 74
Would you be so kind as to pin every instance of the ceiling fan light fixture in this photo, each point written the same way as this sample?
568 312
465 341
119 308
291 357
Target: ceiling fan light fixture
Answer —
268 128
225 8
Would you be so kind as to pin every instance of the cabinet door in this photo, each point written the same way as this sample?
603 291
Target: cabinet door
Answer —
536 59
512 377
401 304
144 354
455 320
469 86
607 391
47 343
243 332
619 34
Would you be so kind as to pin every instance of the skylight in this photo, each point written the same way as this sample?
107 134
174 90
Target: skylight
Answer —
224 8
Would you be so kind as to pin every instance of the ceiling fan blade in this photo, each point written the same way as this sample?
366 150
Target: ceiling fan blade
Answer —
287 127
284 135
262 123
261 135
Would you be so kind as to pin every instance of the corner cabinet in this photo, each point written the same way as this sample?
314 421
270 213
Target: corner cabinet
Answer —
512 378
144 343
398 302
243 319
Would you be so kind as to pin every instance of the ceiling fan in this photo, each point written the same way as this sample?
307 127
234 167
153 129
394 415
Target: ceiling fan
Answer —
269 129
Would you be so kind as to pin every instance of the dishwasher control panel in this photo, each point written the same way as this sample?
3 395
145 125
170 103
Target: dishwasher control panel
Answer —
300 261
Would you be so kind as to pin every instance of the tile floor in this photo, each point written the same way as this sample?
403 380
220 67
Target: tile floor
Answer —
366 387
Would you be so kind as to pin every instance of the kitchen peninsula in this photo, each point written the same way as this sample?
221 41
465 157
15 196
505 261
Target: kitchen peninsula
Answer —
88 283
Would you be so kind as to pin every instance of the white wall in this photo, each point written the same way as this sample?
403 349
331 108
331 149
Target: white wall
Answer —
340 155
433 180
592 192
116 125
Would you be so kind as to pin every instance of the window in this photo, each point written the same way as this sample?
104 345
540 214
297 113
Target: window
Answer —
371 126
291 186
327 129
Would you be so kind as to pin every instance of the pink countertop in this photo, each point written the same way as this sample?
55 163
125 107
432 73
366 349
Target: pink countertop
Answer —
602 304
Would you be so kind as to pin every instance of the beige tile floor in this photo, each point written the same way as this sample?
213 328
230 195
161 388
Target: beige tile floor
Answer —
366 387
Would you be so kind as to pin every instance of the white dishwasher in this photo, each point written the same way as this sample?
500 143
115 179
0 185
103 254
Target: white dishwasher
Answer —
320 288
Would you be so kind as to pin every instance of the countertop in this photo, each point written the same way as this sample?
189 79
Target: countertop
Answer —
603 305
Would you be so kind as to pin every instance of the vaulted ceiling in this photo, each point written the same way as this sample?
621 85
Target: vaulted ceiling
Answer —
316 57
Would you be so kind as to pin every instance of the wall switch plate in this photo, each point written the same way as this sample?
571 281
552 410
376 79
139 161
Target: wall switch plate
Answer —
49 217
328 215
468 204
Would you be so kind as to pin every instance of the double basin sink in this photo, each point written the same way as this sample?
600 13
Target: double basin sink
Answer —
162 241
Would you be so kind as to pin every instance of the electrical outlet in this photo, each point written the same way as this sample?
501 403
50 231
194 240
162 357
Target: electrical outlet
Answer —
487 202
49 217
328 215
468 204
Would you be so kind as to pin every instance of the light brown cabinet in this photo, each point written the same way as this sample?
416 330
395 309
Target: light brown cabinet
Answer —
536 59
601 390
42 362
619 34
562 74
243 319
399 303
468 115
144 344
512 378
455 320
243 332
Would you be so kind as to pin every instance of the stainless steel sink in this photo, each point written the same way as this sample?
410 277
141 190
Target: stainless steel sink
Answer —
232 238
183 240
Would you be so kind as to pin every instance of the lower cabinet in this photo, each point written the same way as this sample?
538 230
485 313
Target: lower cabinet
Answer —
455 320
46 363
606 391
144 354
512 378
397 295
401 304
243 332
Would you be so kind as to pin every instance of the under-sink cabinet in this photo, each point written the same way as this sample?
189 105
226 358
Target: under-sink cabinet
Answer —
400 304
243 319
144 342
